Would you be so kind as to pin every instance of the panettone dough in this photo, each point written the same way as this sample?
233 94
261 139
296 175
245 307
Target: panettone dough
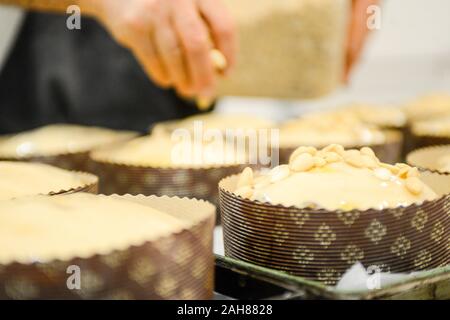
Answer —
223 122
433 127
163 150
19 179
336 179
377 115
444 163
321 129
428 107
43 228
58 139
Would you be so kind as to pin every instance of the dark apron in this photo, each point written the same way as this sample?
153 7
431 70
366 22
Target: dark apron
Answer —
56 75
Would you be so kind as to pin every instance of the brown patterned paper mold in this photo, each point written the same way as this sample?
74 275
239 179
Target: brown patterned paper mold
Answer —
429 133
61 145
373 240
164 250
145 166
407 231
433 158
19 179
429 121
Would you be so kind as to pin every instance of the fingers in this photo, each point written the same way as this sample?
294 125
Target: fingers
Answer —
358 31
222 28
194 38
172 57
147 55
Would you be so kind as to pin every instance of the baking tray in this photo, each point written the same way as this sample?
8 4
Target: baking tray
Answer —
241 280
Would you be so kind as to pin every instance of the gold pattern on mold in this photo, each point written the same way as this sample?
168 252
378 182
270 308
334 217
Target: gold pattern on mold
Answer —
438 232
300 218
141 271
165 245
151 178
401 246
135 189
328 276
348 217
184 252
114 259
279 235
21 289
325 235
375 231
187 294
352 254
202 189
122 179
167 191
180 178
91 283
52 270
423 259
166 286
206 240
397 212
261 217
419 220
198 269
447 206
303 256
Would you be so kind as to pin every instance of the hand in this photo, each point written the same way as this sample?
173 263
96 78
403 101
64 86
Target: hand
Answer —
172 39
358 32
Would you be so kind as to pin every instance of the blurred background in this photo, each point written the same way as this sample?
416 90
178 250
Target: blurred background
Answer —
408 56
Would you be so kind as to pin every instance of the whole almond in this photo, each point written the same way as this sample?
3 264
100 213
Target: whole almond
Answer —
355 160
335 148
369 161
403 172
352 152
279 173
368 151
319 161
332 157
246 178
390 167
303 162
414 185
300 150
413 172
